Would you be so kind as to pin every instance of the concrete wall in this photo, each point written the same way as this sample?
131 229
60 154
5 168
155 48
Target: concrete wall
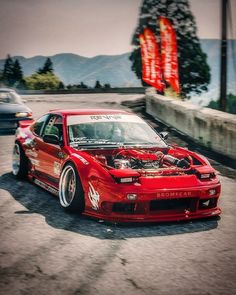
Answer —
125 90
211 128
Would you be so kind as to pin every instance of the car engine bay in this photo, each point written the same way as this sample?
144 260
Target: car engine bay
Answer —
146 160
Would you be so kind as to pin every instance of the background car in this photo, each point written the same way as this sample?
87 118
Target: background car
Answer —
110 164
12 110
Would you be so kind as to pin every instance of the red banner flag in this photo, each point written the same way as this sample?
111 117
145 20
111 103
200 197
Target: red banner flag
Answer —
151 64
169 55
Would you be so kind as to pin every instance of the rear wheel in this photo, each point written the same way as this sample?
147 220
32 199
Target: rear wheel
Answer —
71 193
19 162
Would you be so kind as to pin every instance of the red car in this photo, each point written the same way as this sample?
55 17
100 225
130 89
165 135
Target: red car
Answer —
110 164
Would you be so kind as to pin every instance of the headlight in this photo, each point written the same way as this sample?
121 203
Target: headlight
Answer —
23 114
126 180
125 175
206 176
132 197
212 192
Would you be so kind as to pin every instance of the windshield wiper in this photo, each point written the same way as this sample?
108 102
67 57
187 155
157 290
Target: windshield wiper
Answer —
139 144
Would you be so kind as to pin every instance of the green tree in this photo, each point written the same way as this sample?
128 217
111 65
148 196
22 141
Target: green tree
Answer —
7 75
82 85
12 73
107 86
97 84
61 85
17 74
194 71
47 67
1 78
231 104
42 81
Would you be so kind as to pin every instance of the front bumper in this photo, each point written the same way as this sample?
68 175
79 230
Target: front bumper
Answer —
162 205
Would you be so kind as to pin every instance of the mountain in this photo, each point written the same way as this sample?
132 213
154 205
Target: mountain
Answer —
72 68
116 69
212 48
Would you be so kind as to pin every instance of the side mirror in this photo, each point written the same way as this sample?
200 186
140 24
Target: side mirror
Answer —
51 138
164 135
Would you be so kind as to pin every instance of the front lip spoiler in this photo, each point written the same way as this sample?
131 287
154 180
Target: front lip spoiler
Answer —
155 218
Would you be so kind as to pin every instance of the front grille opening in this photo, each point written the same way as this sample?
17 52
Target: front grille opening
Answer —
123 207
207 203
178 205
8 116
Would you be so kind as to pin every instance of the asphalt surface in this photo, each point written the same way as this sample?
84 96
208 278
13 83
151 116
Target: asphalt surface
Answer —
44 250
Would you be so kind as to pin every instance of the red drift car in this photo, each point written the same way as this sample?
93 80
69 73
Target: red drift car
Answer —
112 165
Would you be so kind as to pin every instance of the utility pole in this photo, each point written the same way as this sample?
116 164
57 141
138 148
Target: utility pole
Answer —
223 72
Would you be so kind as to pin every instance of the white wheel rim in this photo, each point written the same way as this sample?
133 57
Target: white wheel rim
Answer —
67 186
16 159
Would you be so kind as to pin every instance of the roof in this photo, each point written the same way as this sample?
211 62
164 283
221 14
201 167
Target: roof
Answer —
66 112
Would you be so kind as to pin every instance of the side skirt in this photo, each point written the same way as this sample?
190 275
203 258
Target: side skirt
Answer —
47 187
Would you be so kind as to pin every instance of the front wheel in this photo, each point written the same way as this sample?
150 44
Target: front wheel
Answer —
19 162
71 193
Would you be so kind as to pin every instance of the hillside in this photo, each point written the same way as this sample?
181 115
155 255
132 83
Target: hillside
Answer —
72 68
116 69
212 48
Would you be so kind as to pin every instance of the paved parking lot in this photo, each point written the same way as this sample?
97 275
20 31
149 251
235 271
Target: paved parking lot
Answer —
44 250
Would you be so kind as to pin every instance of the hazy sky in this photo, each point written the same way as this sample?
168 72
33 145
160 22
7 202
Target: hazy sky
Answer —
85 27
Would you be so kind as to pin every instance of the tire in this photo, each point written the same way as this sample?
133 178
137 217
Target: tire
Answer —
71 193
19 162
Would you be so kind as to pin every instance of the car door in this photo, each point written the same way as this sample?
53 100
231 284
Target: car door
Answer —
50 156
33 143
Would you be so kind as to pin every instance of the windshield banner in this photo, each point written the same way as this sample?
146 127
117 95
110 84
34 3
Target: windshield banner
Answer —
82 119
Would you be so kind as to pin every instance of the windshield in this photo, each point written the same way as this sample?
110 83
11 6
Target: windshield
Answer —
9 97
111 130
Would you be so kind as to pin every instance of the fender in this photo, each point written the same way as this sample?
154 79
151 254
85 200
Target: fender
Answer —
88 169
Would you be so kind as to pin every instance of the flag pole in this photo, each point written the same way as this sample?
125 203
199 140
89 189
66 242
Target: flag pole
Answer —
223 74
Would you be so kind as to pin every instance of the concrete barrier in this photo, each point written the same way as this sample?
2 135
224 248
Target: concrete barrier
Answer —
210 128
124 90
